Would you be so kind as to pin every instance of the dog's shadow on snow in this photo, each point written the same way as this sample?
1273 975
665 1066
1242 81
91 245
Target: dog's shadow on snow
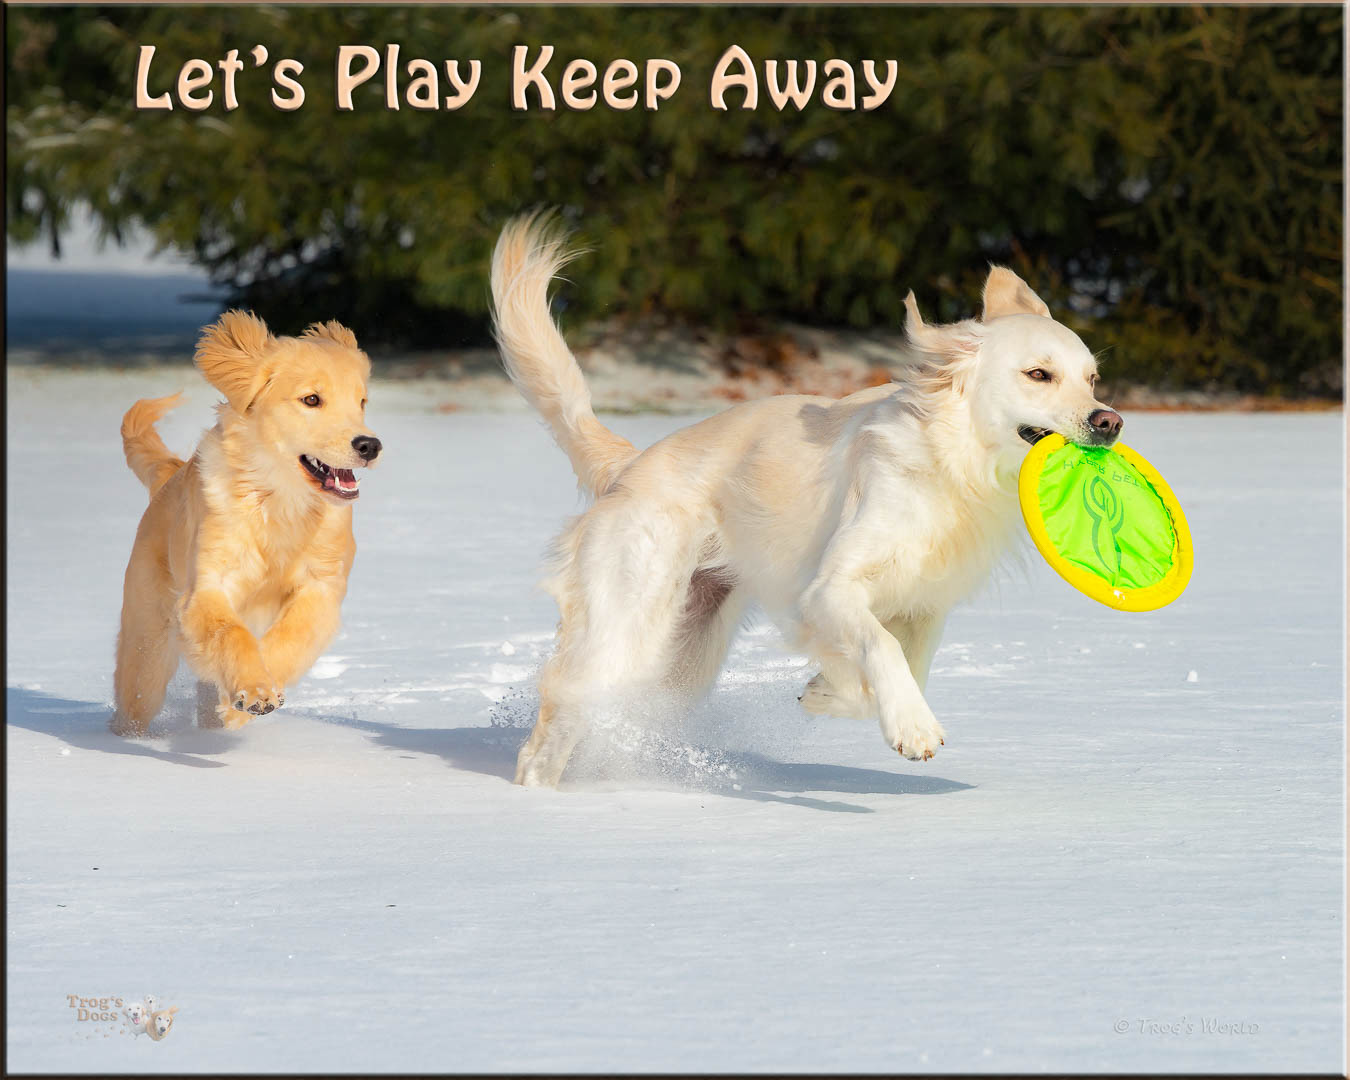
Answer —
84 725
742 775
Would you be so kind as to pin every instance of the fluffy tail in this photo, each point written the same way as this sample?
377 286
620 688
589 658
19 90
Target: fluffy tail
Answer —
146 453
529 252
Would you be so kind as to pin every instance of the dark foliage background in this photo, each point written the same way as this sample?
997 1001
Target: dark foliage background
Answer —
1170 178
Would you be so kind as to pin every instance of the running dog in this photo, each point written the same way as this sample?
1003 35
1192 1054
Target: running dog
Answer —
856 524
241 559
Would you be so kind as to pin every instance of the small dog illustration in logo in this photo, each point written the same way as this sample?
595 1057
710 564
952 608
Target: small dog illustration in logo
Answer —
159 1024
136 1015
145 1017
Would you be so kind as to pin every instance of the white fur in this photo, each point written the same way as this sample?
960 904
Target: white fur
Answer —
136 1016
855 524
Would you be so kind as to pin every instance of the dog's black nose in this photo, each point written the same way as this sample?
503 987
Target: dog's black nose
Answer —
1106 422
369 447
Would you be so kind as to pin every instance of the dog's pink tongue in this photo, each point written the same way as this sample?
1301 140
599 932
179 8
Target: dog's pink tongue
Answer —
344 480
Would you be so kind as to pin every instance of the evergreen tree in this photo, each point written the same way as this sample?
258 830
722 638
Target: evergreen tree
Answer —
1172 177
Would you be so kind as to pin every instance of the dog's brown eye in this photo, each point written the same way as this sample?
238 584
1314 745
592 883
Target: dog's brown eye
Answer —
312 400
1039 374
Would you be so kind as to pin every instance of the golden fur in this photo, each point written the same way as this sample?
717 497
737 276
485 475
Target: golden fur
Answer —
855 524
159 1024
241 559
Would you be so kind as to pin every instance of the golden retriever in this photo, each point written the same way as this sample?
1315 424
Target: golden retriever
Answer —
855 524
160 1024
241 559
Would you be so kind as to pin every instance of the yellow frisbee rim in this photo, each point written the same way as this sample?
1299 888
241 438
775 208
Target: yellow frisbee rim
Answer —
1149 598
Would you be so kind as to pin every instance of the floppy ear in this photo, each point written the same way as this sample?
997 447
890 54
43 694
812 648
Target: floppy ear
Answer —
333 331
230 354
914 324
951 341
943 356
1007 294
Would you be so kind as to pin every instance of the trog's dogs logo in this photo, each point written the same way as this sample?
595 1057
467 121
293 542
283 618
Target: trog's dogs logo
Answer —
144 1017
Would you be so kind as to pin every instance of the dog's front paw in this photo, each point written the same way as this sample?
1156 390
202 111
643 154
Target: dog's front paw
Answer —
917 736
255 700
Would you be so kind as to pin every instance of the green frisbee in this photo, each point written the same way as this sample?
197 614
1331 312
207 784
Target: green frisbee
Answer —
1106 522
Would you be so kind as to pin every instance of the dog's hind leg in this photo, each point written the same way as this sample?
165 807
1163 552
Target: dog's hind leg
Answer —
712 612
147 650
585 677
544 756
621 588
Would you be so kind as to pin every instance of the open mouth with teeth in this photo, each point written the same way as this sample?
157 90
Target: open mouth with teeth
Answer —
1032 435
340 482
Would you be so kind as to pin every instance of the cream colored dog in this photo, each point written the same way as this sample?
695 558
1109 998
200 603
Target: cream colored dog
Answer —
241 560
855 524
136 1015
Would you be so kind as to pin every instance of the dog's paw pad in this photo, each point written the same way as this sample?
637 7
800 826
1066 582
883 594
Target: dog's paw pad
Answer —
259 701
917 739
919 748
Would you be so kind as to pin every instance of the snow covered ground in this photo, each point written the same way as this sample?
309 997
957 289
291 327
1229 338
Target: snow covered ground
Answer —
1109 866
